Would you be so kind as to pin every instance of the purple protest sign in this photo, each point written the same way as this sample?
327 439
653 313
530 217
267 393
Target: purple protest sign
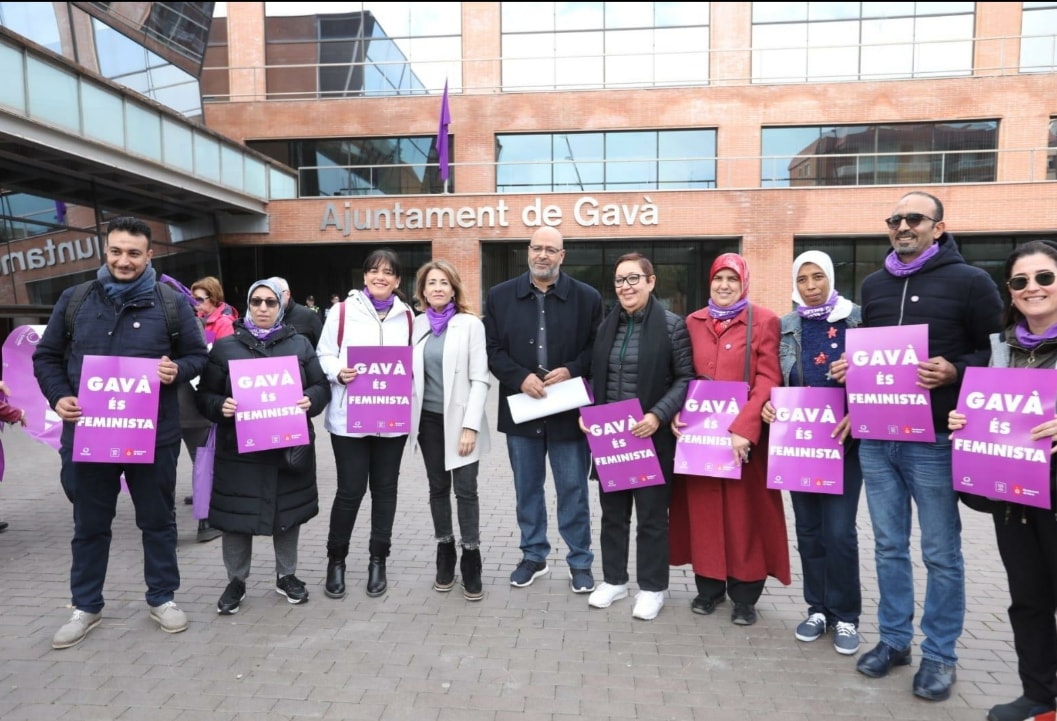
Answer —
623 461
379 398
267 391
704 449
42 423
802 454
119 410
884 400
993 455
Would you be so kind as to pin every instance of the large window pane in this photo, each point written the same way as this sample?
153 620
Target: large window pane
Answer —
104 117
1038 46
12 92
51 91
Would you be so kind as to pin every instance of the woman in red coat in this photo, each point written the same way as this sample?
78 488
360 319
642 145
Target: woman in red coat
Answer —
732 531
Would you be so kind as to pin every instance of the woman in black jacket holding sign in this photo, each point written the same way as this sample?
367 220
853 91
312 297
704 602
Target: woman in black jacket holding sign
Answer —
270 492
641 351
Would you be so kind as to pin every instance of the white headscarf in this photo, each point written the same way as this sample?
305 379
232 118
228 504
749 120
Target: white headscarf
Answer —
844 306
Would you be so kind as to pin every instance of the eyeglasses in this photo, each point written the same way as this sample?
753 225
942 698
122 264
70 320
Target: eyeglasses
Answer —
1043 279
201 298
270 302
541 249
913 220
632 279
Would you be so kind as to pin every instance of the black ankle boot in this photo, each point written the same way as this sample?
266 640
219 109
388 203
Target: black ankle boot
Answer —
471 574
445 567
376 582
335 583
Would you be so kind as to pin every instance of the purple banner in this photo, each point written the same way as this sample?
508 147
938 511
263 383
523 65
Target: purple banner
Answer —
704 449
884 400
802 454
42 423
379 399
622 460
267 391
993 455
119 410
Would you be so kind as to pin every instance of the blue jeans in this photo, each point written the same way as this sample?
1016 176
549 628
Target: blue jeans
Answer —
570 464
828 543
894 473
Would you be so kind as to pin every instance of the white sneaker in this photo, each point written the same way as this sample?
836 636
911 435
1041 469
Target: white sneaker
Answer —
648 604
606 593
169 617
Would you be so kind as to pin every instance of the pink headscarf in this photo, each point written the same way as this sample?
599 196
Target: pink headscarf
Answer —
734 262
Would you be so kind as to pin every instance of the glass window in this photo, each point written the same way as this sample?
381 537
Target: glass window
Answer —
104 117
51 92
35 21
1051 159
906 153
578 45
231 173
1038 43
618 160
207 156
834 41
13 92
256 177
144 131
177 145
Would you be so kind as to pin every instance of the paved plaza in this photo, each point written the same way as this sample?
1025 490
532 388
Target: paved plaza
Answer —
536 653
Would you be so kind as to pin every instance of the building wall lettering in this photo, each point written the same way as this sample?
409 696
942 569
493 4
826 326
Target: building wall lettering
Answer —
51 254
587 212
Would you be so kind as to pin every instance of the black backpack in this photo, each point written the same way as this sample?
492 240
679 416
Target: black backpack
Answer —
168 298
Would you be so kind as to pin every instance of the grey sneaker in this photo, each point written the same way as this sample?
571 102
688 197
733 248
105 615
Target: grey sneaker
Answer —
80 623
845 638
169 617
812 628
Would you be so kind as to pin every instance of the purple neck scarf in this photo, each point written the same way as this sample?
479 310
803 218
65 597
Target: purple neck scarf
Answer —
816 312
380 305
1029 340
900 269
260 333
717 313
438 319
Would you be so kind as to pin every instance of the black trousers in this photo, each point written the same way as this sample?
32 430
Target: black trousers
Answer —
361 463
651 535
1027 542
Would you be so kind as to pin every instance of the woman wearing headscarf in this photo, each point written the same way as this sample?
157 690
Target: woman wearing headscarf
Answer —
826 537
260 493
1026 535
451 381
641 351
732 531
374 316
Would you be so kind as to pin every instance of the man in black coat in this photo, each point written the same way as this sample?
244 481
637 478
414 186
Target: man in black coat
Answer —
304 320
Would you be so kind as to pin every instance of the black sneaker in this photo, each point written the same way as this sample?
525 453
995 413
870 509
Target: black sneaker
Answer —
189 500
581 580
293 588
231 598
744 614
527 571
1023 709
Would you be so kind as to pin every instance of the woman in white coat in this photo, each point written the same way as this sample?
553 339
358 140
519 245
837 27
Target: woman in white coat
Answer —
375 316
451 381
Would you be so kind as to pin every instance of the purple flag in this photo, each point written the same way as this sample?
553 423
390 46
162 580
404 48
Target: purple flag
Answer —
119 406
994 456
42 423
442 138
379 399
704 449
802 454
267 391
884 400
623 460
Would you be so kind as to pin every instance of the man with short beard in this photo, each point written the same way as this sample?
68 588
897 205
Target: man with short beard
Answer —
540 329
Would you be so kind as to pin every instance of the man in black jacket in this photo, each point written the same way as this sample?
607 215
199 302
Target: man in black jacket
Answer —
305 321
540 329
925 280
122 314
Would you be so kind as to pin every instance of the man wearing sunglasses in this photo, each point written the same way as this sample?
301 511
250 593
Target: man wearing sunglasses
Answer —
925 280
121 314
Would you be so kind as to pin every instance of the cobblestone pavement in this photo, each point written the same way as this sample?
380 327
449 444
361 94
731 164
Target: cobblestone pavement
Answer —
536 653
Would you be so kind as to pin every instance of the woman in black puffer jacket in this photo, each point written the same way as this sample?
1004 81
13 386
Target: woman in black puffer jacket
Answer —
641 351
270 492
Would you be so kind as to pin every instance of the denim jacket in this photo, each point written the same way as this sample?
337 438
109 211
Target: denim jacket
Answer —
789 344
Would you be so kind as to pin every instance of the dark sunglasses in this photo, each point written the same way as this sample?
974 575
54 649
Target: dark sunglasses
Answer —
270 302
1043 279
913 220
201 298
